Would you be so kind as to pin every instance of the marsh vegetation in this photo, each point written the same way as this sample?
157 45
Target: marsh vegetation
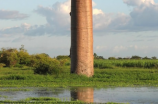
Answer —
20 69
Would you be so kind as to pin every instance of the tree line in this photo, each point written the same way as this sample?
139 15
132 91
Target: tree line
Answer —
41 63
135 57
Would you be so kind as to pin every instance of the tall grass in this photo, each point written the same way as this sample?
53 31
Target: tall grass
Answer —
108 77
102 64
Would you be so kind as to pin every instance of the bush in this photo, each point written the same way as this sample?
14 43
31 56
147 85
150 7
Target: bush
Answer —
48 66
112 58
62 57
9 57
2 65
19 65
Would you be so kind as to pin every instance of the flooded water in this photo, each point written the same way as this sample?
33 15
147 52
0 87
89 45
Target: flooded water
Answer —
138 95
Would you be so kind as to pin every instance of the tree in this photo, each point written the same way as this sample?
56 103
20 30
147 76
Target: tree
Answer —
154 58
36 58
9 56
22 48
112 58
100 57
60 57
24 57
119 58
95 55
136 57
46 65
145 58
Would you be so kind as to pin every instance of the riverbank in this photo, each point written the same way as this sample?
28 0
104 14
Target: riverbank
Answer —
117 77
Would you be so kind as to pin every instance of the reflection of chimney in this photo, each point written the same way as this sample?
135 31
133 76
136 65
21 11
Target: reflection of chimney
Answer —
83 94
82 37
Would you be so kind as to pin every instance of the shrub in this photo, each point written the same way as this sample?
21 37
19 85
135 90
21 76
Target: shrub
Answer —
19 65
2 65
112 58
47 66
9 56
62 57
14 77
63 62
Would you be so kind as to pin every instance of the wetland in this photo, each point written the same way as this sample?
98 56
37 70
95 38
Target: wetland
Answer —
120 85
38 78
130 95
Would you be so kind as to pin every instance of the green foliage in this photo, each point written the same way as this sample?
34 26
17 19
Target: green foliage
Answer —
97 57
14 77
154 58
145 58
136 57
25 77
63 62
9 57
125 63
43 100
2 65
46 65
112 58
24 57
19 65
60 57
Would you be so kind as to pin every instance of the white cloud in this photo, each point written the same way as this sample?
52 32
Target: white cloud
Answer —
58 20
97 11
143 17
15 15
93 3
138 2
13 31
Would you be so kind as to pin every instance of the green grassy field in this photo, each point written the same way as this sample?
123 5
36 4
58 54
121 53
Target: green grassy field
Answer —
126 63
117 76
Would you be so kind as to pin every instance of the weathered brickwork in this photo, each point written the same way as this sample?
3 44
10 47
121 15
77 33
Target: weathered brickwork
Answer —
82 37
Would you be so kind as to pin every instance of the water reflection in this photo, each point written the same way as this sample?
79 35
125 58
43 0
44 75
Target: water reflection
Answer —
83 94
138 95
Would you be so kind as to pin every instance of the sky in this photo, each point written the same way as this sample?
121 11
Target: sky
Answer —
122 28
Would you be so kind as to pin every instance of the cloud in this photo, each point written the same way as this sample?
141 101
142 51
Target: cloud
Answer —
143 17
15 15
58 20
17 30
138 2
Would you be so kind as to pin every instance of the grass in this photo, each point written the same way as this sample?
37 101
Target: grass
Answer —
108 73
1 96
16 89
25 77
47 100
125 63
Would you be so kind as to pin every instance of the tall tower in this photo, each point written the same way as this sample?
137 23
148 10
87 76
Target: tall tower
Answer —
82 37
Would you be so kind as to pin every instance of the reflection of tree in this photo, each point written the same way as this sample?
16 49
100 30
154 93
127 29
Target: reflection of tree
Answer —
83 94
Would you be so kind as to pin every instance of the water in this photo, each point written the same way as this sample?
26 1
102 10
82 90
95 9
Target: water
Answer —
138 95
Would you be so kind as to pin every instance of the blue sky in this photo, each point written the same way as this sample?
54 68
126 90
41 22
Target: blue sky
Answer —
122 28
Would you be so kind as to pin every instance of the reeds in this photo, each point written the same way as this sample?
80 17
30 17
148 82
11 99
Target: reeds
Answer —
102 64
